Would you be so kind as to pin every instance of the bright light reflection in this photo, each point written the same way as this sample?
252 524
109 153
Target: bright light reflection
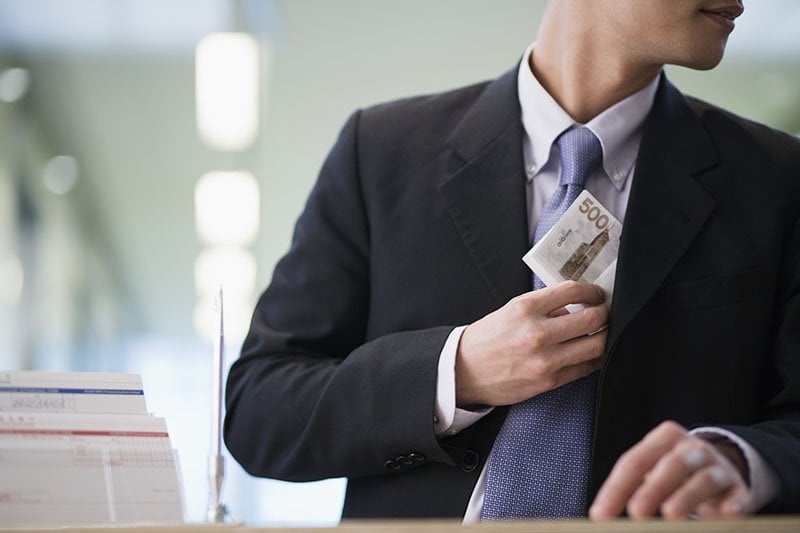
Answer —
60 174
227 86
14 83
227 208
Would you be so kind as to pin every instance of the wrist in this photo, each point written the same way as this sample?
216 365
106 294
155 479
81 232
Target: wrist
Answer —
732 452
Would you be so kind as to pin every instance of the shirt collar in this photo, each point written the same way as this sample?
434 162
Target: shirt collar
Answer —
619 127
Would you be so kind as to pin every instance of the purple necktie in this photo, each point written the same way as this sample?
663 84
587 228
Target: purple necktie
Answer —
539 465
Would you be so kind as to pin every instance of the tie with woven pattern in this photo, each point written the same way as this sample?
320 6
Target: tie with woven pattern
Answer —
539 466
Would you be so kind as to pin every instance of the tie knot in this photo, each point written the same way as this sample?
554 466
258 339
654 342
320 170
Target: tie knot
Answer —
581 152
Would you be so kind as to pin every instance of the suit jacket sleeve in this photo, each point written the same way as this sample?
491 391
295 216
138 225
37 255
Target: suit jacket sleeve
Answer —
778 437
311 396
776 431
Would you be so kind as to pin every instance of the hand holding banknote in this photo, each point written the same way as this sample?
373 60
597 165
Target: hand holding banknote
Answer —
532 344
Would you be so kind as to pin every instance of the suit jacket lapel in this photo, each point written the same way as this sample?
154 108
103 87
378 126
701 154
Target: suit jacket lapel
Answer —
485 188
667 206
485 194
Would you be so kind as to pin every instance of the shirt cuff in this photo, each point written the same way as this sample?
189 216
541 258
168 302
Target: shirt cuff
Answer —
764 483
449 419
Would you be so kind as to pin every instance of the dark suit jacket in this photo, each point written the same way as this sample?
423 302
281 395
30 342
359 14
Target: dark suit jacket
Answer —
418 224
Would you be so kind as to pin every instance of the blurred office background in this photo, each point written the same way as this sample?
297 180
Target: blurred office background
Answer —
124 205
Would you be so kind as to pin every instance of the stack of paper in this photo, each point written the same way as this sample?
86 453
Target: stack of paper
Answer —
81 448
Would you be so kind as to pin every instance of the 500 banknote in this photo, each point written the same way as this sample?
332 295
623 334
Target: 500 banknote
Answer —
582 246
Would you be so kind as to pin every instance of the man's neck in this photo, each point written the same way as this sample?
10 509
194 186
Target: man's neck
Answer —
582 72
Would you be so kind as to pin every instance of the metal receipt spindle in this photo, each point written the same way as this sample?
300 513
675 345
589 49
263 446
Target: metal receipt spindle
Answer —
217 512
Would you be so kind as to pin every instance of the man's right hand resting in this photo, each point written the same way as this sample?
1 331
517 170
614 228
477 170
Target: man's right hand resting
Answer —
531 345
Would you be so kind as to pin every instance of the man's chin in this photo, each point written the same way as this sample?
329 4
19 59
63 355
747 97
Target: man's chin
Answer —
705 61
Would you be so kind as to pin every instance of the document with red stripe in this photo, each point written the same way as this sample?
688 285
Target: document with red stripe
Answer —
62 464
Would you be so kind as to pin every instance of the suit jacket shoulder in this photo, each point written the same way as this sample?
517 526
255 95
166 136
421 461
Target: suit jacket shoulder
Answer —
765 145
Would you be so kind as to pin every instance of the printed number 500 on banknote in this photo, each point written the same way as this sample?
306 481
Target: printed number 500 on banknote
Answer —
582 246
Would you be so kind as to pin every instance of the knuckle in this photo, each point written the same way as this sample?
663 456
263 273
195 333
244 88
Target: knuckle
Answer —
718 477
588 368
670 428
672 462
549 382
535 339
519 306
598 315
630 459
543 366
691 444
690 460
595 317
571 289
570 285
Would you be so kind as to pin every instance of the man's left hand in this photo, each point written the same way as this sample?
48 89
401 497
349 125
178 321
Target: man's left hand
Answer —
674 474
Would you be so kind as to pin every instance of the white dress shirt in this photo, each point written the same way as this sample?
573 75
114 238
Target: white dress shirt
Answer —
619 129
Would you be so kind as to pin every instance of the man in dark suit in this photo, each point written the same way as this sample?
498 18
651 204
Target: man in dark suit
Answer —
401 325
